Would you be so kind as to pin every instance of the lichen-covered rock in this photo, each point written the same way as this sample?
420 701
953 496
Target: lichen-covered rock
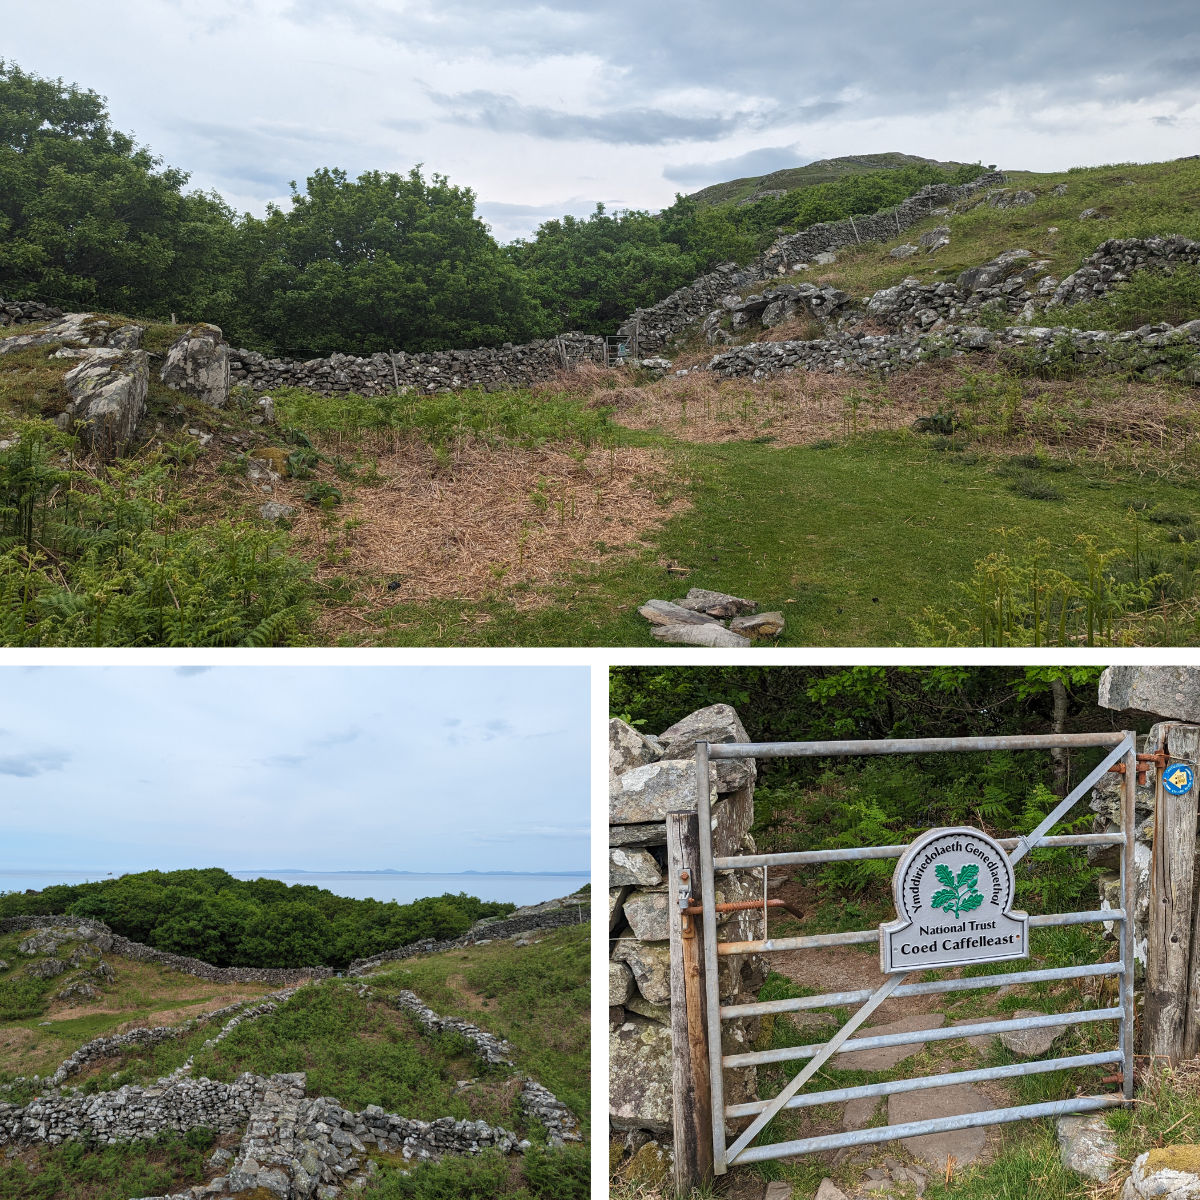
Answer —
620 983
107 393
632 866
1087 1146
1168 691
198 363
1168 1173
639 1057
711 636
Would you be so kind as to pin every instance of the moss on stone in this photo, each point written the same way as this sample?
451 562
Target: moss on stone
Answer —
1184 1157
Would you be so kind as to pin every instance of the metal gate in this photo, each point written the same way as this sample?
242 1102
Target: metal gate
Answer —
705 1026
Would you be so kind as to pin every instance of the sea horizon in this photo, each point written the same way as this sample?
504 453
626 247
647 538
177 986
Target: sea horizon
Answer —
403 886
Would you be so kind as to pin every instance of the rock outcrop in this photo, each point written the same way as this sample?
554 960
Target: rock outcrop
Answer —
197 363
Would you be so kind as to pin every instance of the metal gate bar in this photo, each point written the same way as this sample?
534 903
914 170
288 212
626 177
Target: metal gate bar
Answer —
761 1008
891 1133
948 1033
1120 746
863 937
891 1087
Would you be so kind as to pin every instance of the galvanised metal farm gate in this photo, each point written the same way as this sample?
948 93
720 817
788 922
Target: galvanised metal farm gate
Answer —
705 1014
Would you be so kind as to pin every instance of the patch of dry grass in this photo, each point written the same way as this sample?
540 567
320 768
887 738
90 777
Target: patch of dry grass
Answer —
490 519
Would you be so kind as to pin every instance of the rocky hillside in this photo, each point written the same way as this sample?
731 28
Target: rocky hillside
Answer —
825 170
314 1089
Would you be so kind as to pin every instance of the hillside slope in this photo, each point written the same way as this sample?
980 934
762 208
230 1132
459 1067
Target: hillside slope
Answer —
825 170
475 1085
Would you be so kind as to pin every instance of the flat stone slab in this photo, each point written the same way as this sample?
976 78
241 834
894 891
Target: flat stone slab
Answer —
716 604
714 635
887 1057
858 1113
1032 1043
963 1145
663 612
982 1043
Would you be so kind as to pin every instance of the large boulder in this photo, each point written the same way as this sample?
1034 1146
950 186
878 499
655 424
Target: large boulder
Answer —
1172 692
106 398
716 723
627 748
198 364
975 279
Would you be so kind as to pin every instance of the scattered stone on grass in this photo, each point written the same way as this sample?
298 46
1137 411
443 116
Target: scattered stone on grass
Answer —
829 1191
699 635
1087 1146
716 604
663 612
274 511
761 625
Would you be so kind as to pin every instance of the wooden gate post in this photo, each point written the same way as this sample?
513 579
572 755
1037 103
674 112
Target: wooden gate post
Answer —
1170 974
691 1095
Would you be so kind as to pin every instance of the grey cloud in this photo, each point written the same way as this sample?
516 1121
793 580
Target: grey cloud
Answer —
754 162
628 126
341 738
901 60
284 760
1167 121
34 763
188 671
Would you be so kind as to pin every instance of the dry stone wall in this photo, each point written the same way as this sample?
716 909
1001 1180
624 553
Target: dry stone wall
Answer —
25 312
441 371
90 930
570 910
651 330
1116 259
649 777
1152 350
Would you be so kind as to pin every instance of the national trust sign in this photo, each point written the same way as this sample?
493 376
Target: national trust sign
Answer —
953 889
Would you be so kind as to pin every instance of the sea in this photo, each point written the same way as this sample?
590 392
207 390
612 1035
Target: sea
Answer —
360 885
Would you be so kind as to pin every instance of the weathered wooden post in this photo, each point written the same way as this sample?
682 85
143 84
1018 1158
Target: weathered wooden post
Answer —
691 1097
1172 978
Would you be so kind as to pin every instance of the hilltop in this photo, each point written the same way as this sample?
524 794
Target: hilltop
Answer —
750 188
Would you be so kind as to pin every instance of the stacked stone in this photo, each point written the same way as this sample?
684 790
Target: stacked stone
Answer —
1152 350
1117 258
440 371
492 1050
1000 286
542 1105
92 930
25 312
773 307
131 1113
655 328
649 777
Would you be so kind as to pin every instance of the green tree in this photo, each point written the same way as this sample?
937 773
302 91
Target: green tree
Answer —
387 261
89 219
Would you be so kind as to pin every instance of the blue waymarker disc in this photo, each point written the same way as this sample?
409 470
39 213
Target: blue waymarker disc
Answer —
1178 778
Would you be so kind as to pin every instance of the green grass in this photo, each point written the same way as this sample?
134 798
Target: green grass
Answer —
536 996
851 543
540 1175
1164 199
825 171
168 1163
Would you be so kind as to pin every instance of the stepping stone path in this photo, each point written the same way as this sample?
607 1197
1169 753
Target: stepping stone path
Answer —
886 1057
963 1145
698 619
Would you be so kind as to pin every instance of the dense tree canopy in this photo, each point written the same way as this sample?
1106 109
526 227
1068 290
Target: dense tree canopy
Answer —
210 915
90 219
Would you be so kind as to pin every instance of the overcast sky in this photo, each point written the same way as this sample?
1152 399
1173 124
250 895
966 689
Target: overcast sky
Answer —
545 108
318 768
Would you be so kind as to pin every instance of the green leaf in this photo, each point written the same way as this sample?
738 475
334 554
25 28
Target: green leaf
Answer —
944 875
971 902
943 898
968 874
